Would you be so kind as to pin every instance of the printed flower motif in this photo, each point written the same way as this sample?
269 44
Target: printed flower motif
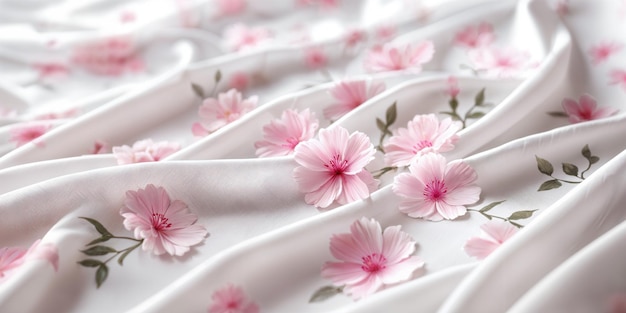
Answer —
12 258
144 151
618 77
232 299
475 36
240 36
165 226
100 147
392 58
494 234
453 87
239 81
424 134
353 37
333 167
112 57
231 7
25 133
370 258
385 32
601 52
47 70
435 190
217 113
315 58
349 95
586 109
281 136
500 62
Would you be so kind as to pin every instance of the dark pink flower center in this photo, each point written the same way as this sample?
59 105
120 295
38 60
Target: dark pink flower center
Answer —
160 222
232 305
337 165
421 145
585 114
292 142
374 263
435 190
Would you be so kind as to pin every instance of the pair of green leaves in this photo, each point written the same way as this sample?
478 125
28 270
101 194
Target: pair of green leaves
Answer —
479 101
546 168
199 91
515 216
390 117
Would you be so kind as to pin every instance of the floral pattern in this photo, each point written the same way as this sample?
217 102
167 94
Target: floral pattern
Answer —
144 151
494 234
395 58
216 113
11 258
232 299
350 94
25 133
281 136
586 109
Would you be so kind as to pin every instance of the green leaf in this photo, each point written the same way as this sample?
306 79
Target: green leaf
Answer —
570 169
101 274
550 184
198 90
544 166
476 115
558 114
480 98
391 114
218 76
99 240
454 104
101 229
381 125
99 250
90 263
324 293
120 260
594 159
516 224
520 215
586 152
490 206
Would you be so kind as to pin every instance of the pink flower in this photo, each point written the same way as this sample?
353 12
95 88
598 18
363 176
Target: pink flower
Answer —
281 136
315 58
353 37
391 58
370 258
618 77
12 258
500 62
603 51
333 167
434 189
349 95
228 107
385 32
239 81
112 57
144 151
51 70
494 234
240 36
165 226
231 7
100 147
424 134
586 109
25 133
453 87
232 299
475 36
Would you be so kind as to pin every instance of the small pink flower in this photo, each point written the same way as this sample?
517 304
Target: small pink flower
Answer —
281 136
231 7
228 107
12 258
370 258
475 36
349 95
601 52
500 62
453 87
392 58
165 226
618 77
385 32
315 58
232 299
333 167
112 57
424 134
239 81
144 151
239 36
435 190
47 70
25 133
100 147
353 37
586 109
494 234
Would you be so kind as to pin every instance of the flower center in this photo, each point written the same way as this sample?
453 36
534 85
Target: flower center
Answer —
232 305
373 263
292 142
435 190
421 145
160 222
336 165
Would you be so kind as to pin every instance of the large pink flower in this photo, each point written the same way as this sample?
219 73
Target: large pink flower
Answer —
333 167
618 77
500 62
370 258
13 257
424 134
232 299
112 56
240 36
25 133
586 109
349 95
475 36
435 190
395 58
281 136
144 151
494 234
228 107
165 226
601 52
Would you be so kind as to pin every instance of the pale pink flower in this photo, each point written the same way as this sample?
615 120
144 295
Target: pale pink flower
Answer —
12 258
500 62
281 136
453 87
239 81
47 70
165 226
144 151
112 56
385 32
353 37
618 77
395 58
25 133
424 134
333 167
239 36
494 234
601 52
231 7
371 258
315 58
434 189
100 147
349 95
232 299
475 36
586 109
228 107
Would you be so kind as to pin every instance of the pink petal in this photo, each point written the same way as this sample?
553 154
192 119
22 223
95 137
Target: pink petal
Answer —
367 236
343 247
499 231
401 271
450 212
326 194
343 273
364 288
397 245
480 248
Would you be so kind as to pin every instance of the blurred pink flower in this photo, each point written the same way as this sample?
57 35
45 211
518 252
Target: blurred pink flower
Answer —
349 95
232 299
475 36
353 37
281 136
25 133
601 52
165 226
333 167
494 234
12 258
434 189
500 62
239 36
100 147
453 87
315 57
112 57
239 81
144 151
424 134
228 107
47 70
586 109
231 7
385 32
393 58
370 258
618 77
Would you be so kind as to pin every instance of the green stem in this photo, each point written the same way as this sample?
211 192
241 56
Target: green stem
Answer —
131 248
383 171
582 174
567 181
